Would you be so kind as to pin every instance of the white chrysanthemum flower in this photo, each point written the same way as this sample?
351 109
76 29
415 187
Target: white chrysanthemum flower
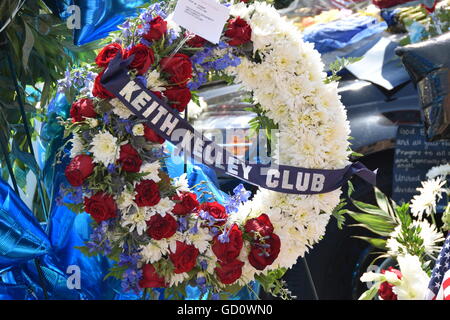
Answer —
165 205
77 146
154 81
125 200
177 278
138 130
414 282
195 110
104 148
439 171
152 170
136 221
201 239
154 250
428 233
430 194
120 109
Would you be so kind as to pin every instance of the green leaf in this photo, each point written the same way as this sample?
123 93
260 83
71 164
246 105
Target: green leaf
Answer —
377 224
369 294
369 208
25 157
377 243
27 46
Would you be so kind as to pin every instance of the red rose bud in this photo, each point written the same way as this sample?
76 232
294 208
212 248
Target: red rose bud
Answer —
260 225
158 27
150 278
79 169
196 42
83 108
264 254
143 58
147 194
178 67
107 54
229 272
100 206
187 203
228 251
178 97
160 227
99 90
184 258
238 31
130 159
385 290
216 210
152 136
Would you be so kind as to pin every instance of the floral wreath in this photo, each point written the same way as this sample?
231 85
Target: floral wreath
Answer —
160 232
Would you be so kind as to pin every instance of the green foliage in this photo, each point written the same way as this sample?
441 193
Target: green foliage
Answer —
39 46
339 65
339 213
261 122
272 283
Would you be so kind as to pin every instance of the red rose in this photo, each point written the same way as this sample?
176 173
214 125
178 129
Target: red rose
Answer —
100 206
83 108
229 272
178 67
187 203
238 31
385 290
216 210
99 90
260 225
178 97
150 278
129 158
107 54
143 58
79 169
196 42
147 193
263 255
152 136
158 27
228 251
184 258
160 227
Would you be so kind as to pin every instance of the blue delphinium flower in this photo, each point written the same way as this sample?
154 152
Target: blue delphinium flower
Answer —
98 241
240 196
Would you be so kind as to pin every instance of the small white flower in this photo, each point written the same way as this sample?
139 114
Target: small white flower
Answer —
92 122
154 250
152 170
181 183
120 109
104 148
125 200
138 130
136 221
165 205
77 146
154 81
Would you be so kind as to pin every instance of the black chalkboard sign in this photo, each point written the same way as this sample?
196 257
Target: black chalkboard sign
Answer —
414 156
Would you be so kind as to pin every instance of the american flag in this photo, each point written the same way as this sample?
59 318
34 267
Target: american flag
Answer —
439 286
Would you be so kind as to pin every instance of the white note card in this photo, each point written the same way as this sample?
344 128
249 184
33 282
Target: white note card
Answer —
205 18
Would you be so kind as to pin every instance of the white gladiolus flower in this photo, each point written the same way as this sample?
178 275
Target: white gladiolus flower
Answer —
414 282
104 148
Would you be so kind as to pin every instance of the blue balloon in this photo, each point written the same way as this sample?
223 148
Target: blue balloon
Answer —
100 17
21 236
